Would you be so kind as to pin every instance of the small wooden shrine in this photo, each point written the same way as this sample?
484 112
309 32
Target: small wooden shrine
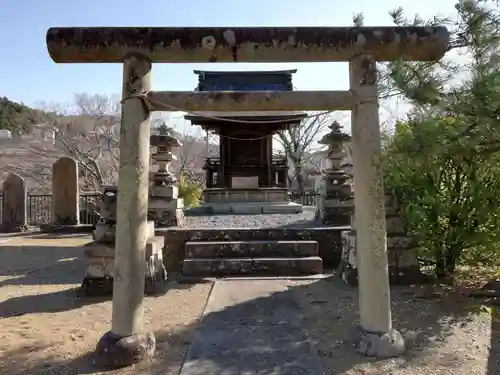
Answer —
246 170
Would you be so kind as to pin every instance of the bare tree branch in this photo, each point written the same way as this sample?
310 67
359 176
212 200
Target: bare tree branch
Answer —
298 141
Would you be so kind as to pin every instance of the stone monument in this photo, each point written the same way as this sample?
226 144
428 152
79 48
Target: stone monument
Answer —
100 253
65 192
14 208
65 199
335 202
165 208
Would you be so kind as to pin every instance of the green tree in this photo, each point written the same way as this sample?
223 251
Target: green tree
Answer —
444 162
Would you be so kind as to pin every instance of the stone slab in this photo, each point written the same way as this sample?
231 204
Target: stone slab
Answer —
247 182
217 195
78 228
246 208
206 267
158 203
253 208
251 327
282 208
238 249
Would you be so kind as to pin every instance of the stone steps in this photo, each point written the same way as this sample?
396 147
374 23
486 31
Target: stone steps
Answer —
253 249
251 258
205 267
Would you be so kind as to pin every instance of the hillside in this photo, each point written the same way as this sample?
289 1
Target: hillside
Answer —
16 117
34 148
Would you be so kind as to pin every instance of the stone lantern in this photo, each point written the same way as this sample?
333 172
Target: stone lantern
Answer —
100 253
165 208
335 201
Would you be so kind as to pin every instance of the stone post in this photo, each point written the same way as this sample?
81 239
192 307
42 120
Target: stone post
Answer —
377 337
334 204
165 208
14 210
126 343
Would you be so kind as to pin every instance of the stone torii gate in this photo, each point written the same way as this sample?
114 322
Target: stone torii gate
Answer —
138 47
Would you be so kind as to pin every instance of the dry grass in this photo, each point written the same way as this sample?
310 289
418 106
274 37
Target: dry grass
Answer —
47 329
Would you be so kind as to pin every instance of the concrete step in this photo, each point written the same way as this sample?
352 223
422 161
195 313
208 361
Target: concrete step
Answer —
253 249
252 266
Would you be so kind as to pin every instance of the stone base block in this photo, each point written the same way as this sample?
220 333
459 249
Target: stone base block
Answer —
166 213
387 345
56 228
205 267
162 192
282 208
171 219
221 195
113 351
403 266
255 249
333 217
99 275
9 228
251 208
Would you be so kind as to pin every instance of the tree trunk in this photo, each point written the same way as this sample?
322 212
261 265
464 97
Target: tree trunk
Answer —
300 182
446 264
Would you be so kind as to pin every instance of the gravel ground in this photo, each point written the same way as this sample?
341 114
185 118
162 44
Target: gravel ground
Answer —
46 329
303 220
446 332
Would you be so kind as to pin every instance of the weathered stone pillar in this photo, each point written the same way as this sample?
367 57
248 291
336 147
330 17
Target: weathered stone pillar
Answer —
14 209
165 208
65 192
126 343
377 337
335 203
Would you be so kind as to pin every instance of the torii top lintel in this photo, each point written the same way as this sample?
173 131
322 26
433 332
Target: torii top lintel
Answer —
245 44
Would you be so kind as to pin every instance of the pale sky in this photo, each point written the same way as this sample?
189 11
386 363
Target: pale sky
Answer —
27 73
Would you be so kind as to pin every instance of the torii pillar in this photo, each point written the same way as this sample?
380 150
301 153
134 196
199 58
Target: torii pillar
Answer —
137 48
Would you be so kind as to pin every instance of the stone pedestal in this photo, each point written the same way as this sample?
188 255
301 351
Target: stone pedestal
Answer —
403 265
249 201
165 208
335 203
100 253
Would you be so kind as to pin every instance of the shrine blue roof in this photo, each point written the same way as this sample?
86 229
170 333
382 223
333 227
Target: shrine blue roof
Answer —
265 80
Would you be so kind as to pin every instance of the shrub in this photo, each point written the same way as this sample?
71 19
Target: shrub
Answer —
190 191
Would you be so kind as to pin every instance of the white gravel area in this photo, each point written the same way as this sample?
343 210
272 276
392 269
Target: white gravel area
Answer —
302 220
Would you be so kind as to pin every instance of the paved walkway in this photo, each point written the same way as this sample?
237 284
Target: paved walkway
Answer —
251 327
